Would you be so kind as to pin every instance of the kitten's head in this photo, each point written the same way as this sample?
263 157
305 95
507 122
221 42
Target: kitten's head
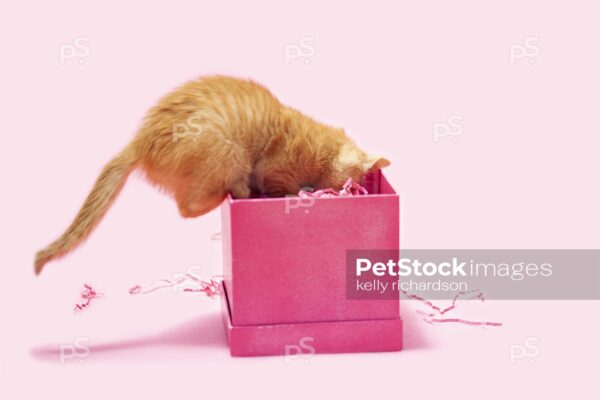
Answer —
315 157
351 162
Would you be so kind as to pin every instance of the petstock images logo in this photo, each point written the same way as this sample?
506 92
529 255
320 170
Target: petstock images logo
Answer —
502 274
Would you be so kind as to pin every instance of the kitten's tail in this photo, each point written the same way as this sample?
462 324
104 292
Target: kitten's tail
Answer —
107 187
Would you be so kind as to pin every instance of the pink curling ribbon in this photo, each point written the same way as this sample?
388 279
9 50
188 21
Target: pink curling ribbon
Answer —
462 321
210 288
348 189
430 317
88 294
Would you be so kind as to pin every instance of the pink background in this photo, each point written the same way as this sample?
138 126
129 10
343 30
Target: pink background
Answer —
523 174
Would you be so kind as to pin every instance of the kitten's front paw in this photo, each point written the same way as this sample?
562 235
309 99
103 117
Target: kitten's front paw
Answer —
240 190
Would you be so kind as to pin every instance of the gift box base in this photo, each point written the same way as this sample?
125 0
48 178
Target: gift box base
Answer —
302 339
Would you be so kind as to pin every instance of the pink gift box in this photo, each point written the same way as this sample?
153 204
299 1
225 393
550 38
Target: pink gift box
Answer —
285 271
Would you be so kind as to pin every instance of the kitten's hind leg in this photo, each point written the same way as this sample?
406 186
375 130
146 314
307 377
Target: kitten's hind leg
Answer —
196 198
199 205
197 201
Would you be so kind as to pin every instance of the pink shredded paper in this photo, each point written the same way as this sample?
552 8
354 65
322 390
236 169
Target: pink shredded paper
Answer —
430 316
88 294
210 288
348 189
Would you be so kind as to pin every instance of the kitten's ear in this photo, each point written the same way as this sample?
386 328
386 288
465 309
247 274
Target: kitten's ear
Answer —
376 162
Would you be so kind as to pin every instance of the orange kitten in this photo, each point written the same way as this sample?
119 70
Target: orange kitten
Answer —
217 135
